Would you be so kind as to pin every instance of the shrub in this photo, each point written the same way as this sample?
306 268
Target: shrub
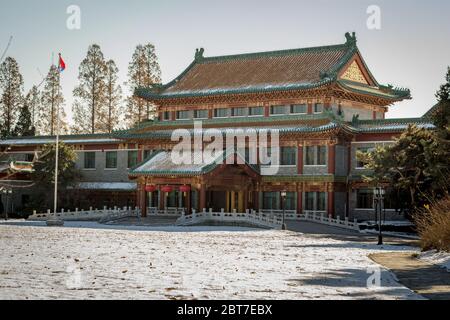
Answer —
433 225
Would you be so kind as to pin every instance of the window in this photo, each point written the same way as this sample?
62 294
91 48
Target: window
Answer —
270 200
298 108
318 108
320 201
321 155
183 115
315 201
359 163
29 157
147 155
316 155
288 156
290 201
364 199
277 110
309 156
256 111
133 158
111 159
201 114
221 113
166 116
238 112
89 160
309 201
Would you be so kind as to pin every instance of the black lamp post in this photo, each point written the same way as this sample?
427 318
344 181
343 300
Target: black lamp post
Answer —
379 204
283 201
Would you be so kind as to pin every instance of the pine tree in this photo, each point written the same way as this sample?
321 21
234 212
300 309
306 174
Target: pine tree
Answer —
143 71
24 126
33 101
113 100
52 100
90 94
11 99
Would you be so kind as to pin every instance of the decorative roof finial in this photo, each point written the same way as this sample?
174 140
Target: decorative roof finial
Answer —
351 39
199 54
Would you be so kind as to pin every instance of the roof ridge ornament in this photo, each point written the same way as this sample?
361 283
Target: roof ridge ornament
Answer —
351 39
199 54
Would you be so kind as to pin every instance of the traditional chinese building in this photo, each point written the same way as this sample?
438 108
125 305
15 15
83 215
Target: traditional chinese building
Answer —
324 101
326 104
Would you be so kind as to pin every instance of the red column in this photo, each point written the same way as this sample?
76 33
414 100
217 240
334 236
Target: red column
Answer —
144 203
299 202
256 200
188 202
202 198
330 203
210 114
162 197
310 108
331 159
300 160
173 115
374 115
266 111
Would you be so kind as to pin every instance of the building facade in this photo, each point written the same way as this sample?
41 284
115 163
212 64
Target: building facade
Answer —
324 102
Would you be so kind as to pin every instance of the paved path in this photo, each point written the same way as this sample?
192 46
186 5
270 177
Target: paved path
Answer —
325 231
426 279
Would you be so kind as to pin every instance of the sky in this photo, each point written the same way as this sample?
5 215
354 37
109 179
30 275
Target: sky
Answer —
411 47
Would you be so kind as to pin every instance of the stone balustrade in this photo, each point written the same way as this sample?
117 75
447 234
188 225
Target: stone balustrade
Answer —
104 214
249 218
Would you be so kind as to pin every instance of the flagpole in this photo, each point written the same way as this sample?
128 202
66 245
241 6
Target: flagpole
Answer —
55 221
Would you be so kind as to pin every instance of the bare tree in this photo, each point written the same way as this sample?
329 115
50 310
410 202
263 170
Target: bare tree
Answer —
90 94
52 100
11 99
113 99
143 71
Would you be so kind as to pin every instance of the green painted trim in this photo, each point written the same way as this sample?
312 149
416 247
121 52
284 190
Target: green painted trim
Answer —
304 178
167 134
240 120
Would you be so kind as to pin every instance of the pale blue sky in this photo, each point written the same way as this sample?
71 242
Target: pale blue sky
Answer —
412 49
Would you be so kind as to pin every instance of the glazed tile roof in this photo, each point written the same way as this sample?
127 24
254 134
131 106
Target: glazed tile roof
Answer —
390 125
161 163
69 139
166 134
294 69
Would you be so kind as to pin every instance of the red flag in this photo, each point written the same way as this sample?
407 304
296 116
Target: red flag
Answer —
62 64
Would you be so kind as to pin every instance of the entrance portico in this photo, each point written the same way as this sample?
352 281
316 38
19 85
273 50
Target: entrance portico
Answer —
165 186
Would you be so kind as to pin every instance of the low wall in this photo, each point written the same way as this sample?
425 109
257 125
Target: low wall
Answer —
104 214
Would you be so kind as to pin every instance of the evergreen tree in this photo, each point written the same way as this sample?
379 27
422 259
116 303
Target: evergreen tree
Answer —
441 115
113 100
43 175
90 94
24 126
143 71
11 99
52 100
415 168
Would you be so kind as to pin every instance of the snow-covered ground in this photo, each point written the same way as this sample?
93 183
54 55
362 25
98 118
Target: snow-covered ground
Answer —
83 261
435 257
